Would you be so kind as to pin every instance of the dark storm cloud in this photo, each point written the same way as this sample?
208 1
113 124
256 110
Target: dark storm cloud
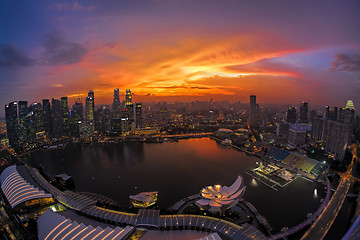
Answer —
60 52
11 57
344 62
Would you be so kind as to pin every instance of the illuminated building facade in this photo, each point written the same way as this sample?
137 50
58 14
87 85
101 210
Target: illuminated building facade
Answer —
144 199
128 97
19 192
138 114
89 109
23 111
65 116
12 124
218 198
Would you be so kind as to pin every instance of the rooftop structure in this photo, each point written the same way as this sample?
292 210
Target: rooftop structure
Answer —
144 199
218 198
17 190
350 105
52 225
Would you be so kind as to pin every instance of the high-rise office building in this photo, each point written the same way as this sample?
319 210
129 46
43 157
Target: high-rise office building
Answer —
107 120
357 122
341 117
76 117
130 113
313 114
304 112
252 112
138 114
90 108
349 114
338 138
78 110
331 114
23 111
12 124
47 116
116 96
291 115
35 120
128 97
65 115
116 114
56 120
318 128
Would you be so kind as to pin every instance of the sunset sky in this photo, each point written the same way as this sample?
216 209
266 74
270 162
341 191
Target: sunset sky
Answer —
181 50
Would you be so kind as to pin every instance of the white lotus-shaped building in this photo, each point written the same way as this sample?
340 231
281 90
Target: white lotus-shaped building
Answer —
218 198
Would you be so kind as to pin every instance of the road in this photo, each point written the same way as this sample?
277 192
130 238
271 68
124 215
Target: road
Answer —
322 225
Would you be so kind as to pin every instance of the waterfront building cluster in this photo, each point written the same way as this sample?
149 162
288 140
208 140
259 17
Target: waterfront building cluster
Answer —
41 123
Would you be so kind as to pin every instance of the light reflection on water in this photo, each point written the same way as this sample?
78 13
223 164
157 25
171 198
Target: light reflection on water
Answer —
254 182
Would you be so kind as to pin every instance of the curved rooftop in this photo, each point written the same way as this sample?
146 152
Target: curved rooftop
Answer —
52 225
224 130
16 189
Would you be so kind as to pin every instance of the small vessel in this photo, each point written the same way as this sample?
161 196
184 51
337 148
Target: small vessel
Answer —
315 193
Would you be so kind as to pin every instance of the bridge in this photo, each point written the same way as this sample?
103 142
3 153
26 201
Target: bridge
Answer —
322 225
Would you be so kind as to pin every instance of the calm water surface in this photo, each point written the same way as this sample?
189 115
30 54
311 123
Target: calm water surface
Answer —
176 170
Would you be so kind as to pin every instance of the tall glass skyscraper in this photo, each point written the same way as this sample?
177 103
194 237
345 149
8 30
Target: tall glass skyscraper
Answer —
304 112
128 97
56 118
12 124
47 116
116 114
138 114
291 115
65 115
23 111
252 112
89 109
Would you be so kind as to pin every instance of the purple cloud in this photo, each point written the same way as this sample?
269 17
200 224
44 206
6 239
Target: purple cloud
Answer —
344 62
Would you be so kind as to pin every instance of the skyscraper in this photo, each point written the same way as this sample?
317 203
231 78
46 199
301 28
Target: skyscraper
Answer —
318 128
338 138
349 114
89 109
35 120
56 118
47 116
304 112
128 97
291 115
138 114
116 114
76 117
65 115
12 123
252 112
23 111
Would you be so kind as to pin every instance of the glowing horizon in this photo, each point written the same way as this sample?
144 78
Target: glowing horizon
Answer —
166 50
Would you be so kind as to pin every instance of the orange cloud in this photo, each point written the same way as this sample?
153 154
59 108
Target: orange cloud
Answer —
180 66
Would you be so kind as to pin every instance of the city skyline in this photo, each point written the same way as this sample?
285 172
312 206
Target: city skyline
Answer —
168 51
